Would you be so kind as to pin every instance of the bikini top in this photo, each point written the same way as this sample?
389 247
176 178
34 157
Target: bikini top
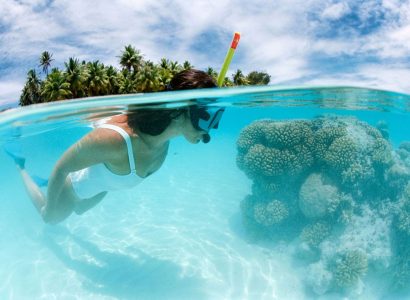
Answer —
98 178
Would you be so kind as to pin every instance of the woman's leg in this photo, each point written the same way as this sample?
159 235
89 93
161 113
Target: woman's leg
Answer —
65 205
36 195
85 204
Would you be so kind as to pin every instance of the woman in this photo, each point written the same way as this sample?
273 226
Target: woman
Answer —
120 153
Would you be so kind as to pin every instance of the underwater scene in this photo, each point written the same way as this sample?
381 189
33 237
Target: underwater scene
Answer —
302 193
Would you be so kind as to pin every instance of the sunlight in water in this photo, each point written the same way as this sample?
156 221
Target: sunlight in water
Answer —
302 193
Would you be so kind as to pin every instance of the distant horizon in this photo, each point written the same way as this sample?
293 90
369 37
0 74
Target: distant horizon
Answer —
318 42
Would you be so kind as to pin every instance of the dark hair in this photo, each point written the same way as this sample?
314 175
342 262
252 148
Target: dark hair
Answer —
191 79
154 121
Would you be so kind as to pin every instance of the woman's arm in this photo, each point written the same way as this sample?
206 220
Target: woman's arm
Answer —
97 147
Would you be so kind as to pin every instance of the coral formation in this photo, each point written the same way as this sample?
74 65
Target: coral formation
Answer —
314 234
383 127
344 196
350 268
369 232
271 213
404 212
341 153
401 271
269 149
316 198
381 153
404 152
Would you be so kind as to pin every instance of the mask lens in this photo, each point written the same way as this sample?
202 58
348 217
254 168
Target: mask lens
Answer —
211 122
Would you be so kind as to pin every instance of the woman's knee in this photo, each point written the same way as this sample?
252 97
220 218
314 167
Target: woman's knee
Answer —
54 217
56 214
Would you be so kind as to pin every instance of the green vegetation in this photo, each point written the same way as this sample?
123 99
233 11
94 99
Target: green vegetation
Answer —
136 75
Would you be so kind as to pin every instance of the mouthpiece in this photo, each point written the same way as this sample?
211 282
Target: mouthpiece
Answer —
206 138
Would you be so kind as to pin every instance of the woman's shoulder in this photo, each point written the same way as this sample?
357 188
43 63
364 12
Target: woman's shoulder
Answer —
119 119
105 138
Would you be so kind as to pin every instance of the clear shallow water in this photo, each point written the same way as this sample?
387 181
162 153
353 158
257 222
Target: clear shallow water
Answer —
182 234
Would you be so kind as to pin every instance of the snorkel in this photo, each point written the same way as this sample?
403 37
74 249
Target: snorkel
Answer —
204 118
228 58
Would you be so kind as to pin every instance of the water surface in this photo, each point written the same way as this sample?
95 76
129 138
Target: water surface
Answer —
213 222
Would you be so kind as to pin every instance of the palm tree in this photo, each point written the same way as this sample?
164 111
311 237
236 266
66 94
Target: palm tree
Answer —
25 98
227 82
45 61
258 78
126 83
112 75
211 72
76 77
31 90
187 65
131 58
55 87
165 77
97 79
175 67
164 64
239 78
148 78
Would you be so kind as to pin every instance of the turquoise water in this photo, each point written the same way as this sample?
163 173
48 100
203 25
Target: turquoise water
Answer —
224 220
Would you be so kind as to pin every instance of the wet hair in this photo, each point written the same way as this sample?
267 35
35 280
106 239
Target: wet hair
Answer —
191 79
153 120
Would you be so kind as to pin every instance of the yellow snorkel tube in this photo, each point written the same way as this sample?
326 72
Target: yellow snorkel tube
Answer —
228 58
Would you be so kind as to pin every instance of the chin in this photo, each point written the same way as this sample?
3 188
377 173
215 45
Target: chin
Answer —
194 140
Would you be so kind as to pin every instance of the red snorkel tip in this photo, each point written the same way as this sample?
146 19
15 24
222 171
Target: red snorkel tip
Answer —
235 40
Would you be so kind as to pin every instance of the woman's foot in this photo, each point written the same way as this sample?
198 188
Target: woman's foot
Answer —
18 159
40 181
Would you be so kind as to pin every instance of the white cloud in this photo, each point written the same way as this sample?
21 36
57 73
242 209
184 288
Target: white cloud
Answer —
393 78
335 11
280 37
9 89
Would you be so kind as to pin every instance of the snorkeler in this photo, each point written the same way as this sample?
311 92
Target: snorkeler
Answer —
120 153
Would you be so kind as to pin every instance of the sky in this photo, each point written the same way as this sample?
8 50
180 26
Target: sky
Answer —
298 42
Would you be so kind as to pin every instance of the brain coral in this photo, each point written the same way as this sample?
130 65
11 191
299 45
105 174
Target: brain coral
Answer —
325 136
269 149
381 152
341 153
285 135
316 198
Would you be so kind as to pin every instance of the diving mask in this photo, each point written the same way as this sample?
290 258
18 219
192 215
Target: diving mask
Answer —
206 118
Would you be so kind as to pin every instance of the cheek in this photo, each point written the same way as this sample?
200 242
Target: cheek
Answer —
193 136
190 131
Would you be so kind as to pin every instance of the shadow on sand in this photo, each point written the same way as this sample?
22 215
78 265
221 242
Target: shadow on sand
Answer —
122 276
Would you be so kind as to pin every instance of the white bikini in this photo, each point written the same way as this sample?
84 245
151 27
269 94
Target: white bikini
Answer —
98 178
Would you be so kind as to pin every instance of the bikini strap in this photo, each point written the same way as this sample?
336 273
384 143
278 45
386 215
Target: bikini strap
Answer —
127 139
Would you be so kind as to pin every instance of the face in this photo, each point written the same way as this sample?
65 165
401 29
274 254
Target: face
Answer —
191 134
